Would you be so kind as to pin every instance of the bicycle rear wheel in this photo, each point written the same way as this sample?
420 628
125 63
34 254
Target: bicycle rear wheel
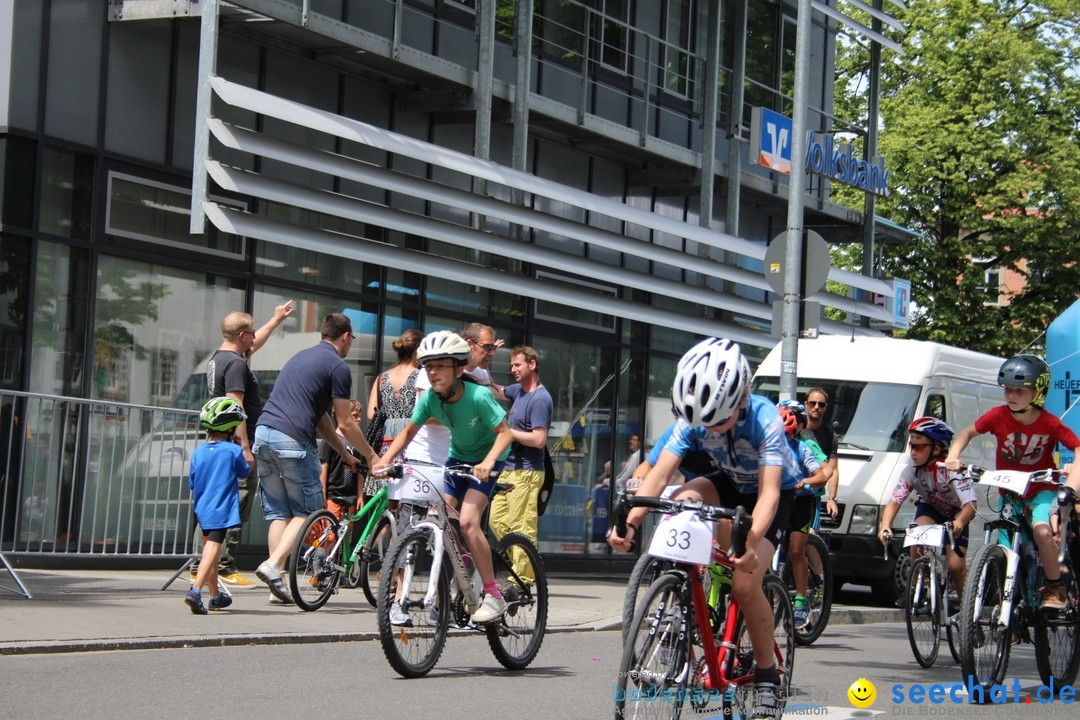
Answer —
656 653
921 612
313 572
369 565
984 641
1057 642
516 638
819 590
646 570
413 647
741 700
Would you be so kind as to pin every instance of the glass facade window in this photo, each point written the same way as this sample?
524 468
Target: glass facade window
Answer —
612 33
296 264
569 314
474 300
17 181
146 210
62 291
67 193
142 310
559 26
14 281
680 64
581 378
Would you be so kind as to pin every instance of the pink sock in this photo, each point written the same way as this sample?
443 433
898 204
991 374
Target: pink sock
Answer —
492 589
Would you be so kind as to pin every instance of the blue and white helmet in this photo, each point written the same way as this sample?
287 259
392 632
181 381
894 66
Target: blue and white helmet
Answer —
710 382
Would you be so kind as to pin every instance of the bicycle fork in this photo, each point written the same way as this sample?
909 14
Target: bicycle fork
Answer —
439 550
1012 563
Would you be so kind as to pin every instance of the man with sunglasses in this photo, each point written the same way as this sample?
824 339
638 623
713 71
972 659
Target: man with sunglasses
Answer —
228 374
817 402
482 347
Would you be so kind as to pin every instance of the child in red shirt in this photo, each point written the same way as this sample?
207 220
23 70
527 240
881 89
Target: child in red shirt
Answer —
1026 438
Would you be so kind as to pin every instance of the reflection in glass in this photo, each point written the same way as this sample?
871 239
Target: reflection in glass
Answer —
147 210
144 310
582 379
14 277
67 189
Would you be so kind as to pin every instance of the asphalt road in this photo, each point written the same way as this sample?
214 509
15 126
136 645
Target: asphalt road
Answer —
571 678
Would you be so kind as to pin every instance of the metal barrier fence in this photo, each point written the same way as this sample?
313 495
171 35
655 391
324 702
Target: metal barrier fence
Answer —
90 477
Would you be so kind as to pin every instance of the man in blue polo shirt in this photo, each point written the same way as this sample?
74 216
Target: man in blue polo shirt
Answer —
312 381
529 421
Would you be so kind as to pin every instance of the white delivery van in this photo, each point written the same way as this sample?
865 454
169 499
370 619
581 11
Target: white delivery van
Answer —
876 387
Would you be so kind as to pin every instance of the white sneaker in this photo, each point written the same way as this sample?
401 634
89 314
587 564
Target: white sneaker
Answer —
490 610
398 616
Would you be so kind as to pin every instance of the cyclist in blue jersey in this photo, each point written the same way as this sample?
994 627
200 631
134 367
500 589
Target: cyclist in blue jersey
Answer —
744 437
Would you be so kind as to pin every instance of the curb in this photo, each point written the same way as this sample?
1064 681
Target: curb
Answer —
839 616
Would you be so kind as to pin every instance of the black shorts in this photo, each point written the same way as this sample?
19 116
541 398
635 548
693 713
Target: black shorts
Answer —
802 512
730 498
217 535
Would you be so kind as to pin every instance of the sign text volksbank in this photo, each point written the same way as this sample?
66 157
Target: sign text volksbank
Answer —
770 145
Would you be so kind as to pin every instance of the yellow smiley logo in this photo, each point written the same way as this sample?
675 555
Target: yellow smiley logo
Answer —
862 693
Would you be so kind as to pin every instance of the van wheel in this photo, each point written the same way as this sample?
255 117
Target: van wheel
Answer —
891 588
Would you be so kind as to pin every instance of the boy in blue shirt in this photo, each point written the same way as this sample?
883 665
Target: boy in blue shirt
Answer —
216 467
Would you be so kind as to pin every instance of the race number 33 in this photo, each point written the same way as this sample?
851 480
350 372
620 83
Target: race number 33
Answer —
684 537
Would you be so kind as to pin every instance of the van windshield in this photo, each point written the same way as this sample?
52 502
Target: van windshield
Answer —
864 415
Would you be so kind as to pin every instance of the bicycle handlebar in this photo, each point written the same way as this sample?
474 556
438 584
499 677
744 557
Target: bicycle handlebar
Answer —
740 519
1050 475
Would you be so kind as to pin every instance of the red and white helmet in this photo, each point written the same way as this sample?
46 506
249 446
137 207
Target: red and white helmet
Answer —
710 382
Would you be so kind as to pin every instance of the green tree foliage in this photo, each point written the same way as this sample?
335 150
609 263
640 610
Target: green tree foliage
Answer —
980 128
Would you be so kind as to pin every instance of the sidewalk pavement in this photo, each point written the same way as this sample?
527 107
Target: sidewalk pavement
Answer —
90 610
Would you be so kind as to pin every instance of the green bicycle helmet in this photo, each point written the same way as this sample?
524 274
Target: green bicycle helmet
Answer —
221 414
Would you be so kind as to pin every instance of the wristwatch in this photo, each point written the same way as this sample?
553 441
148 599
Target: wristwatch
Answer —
826 498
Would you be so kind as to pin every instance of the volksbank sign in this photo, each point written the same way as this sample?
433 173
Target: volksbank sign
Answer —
770 145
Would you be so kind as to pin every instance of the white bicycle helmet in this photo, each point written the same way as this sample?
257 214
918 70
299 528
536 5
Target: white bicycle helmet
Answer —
710 382
443 344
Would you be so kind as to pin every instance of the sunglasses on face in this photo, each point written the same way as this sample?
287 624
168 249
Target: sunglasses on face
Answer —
490 347
816 403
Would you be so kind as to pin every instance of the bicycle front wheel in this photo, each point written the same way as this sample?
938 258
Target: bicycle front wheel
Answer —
516 638
819 590
921 612
411 634
315 565
372 556
655 662
1057 643
646 570
984 640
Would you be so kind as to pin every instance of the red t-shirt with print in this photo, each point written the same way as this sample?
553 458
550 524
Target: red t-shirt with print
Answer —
1026 447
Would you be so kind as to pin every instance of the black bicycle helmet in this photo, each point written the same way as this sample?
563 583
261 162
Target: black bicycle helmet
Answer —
1028 371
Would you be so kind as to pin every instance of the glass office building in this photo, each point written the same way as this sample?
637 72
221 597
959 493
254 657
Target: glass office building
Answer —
106 296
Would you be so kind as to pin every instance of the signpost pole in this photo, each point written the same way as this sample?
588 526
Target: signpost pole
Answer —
789 338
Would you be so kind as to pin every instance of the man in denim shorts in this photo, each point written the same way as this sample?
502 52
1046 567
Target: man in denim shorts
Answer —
312 381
